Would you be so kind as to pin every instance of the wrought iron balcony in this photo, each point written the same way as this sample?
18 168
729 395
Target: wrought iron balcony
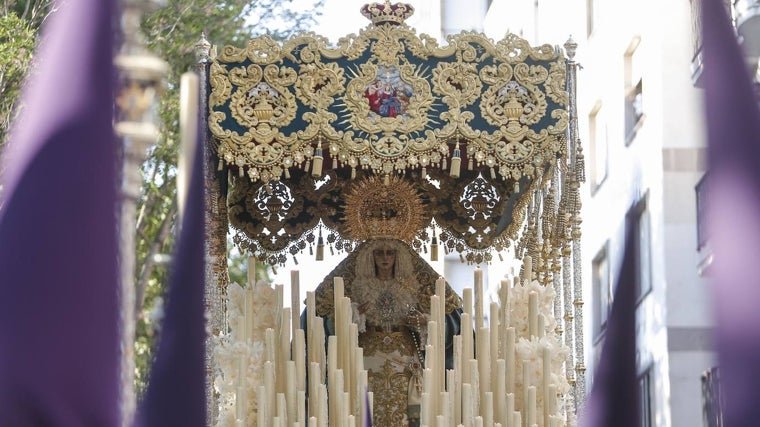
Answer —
712 412
706 256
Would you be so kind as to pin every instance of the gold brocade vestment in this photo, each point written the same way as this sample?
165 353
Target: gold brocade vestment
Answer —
391 351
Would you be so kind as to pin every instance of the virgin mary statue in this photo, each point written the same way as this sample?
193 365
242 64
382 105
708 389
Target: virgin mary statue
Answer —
390 287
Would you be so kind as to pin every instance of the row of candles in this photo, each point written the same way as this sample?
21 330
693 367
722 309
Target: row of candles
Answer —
329 388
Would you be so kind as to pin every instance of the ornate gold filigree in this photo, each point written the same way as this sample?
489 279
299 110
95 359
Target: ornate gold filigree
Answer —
376 209
387 100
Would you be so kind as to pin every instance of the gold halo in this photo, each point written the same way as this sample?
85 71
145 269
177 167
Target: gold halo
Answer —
378 208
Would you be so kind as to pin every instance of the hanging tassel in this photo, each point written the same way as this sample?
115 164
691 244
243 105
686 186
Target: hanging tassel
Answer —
320 247
456 162
434 249
220 167
443 164
287 173
386 179
424 172
241 172
517 187
353 172
493 173
316 164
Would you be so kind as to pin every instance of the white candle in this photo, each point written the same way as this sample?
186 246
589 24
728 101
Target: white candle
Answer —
525 385
527 269
478 421
425 409
546 380
517 421
493 328
509 357
263 401
312 422
487 410
467 405
510 411
248 314
531 405
295 300
299 356
241 407
251 271
467 345
484 361
323 411
269 345
500 392
282 411
291 391
467 301
457 383
478 299
540 326
269 384
314 382
532 314
474 379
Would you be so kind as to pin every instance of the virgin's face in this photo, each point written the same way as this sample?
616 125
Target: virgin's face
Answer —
385 258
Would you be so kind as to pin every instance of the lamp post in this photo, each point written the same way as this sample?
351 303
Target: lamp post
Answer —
141 75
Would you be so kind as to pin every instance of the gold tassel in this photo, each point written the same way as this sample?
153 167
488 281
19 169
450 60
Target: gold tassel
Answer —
434 249
386 179
456 162
493 173
316 165
424 172
220 167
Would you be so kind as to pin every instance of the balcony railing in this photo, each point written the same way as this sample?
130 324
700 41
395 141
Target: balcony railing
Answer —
701 190
712 408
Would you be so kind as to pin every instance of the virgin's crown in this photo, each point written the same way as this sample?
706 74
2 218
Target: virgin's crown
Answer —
387 13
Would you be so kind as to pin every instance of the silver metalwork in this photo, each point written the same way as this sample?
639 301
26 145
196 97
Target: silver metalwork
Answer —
141 76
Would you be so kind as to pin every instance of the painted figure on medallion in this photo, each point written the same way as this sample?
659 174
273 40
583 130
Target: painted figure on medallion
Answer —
388 95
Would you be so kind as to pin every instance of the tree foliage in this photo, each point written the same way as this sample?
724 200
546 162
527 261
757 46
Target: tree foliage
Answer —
19 24
171 33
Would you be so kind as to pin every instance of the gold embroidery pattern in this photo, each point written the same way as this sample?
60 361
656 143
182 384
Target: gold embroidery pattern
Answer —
388 100
388 375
